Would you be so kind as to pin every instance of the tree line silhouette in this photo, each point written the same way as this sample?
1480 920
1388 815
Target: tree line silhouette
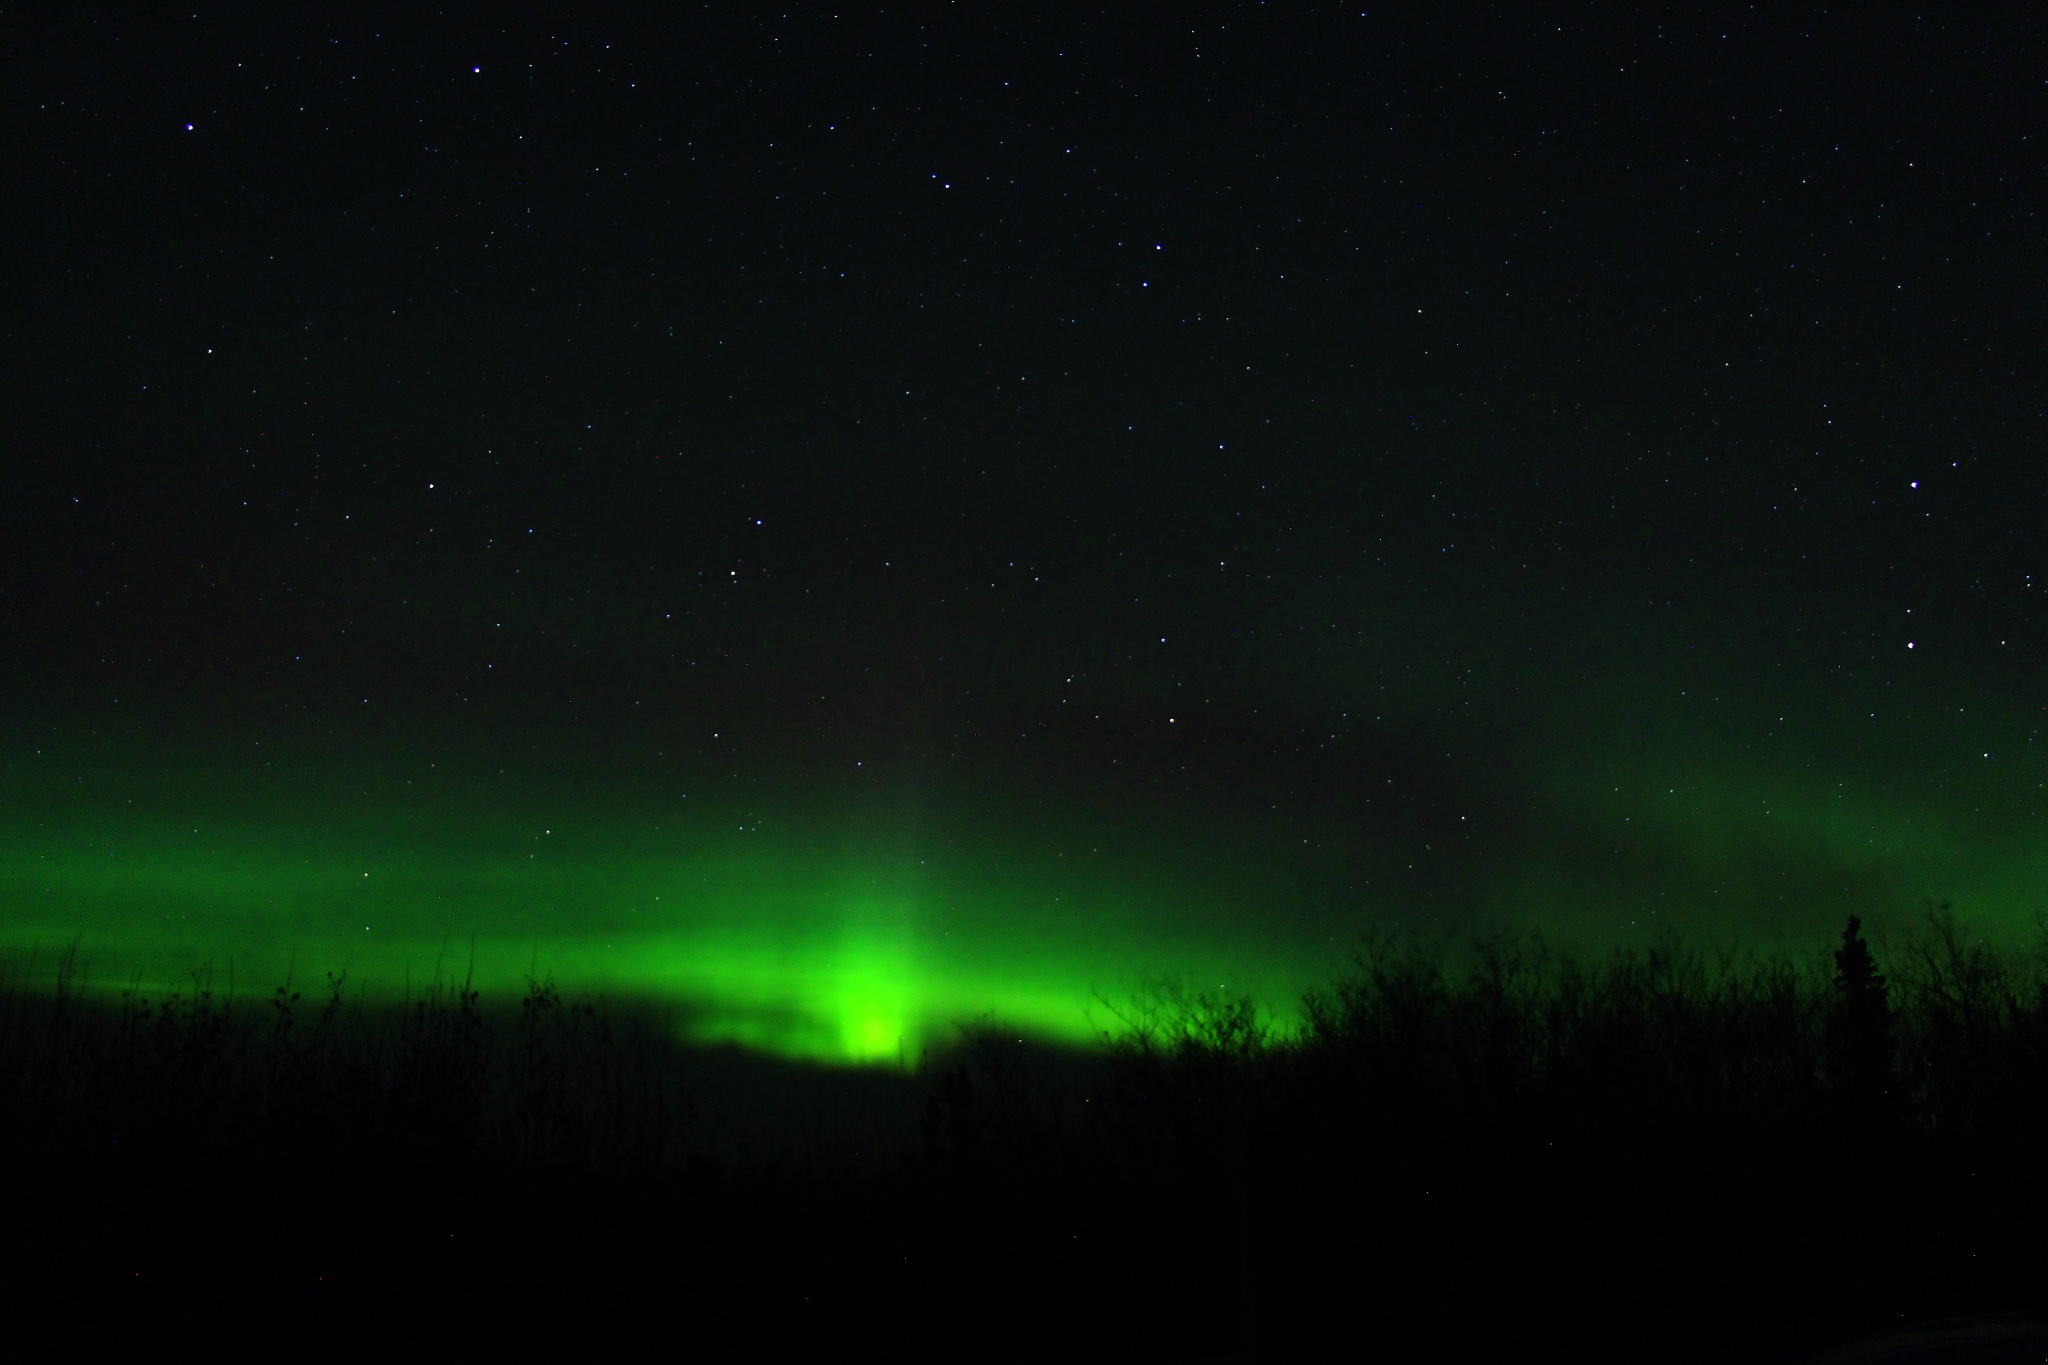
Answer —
1483 1146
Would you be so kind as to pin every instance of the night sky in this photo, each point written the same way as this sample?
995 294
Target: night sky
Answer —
846 521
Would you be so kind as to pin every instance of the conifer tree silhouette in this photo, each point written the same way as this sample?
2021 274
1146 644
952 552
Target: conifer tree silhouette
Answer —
1862 1044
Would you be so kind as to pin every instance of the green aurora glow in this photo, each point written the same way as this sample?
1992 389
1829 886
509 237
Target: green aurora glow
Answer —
840 573
865 931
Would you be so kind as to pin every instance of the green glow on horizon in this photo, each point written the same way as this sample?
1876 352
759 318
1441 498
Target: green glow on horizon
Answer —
857 934
794 951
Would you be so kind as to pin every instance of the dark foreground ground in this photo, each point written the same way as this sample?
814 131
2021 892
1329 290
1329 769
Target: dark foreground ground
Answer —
1486 1152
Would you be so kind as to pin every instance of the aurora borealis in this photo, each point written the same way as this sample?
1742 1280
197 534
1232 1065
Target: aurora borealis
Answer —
862 925
841 526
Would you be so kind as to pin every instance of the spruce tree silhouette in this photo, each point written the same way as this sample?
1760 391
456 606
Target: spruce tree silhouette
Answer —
1863 1047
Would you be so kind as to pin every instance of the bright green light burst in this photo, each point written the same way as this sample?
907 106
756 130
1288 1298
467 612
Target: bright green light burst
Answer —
800 948
855 938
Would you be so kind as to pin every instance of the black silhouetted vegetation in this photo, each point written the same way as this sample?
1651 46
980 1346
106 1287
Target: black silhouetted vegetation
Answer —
1472 1149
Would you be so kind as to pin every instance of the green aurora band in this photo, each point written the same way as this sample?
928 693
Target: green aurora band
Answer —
866 931
806 946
